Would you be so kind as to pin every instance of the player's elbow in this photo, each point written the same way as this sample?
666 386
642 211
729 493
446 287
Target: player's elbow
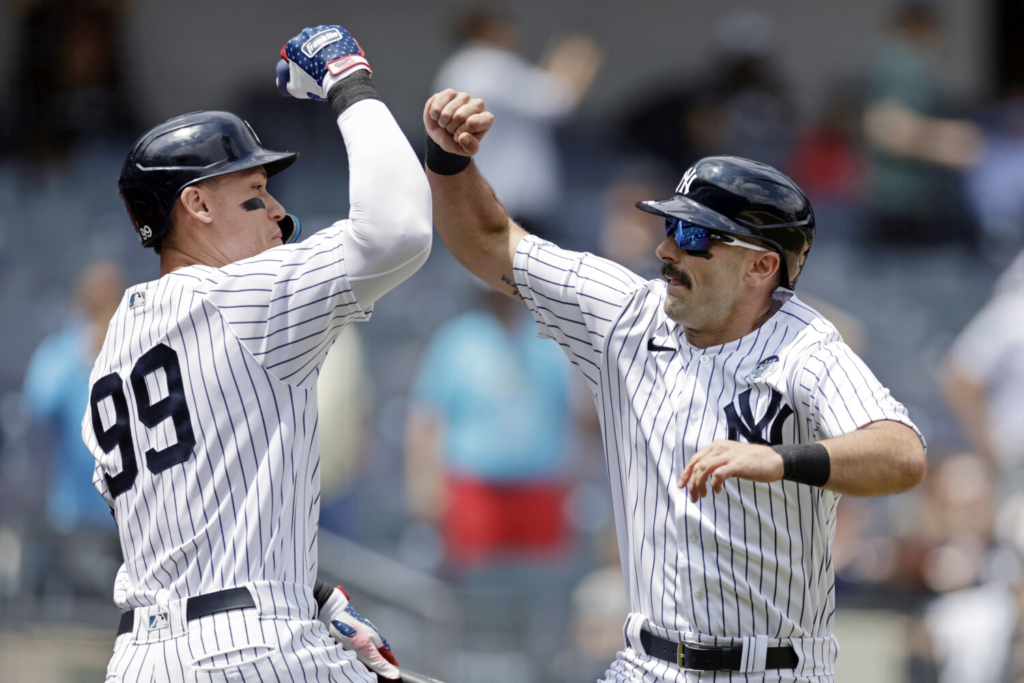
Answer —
917 466
411 217
913 463
420 228
898 460
416 234
392 237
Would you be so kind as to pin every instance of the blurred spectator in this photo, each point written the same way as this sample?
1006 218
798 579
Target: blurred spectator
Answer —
344 394
983 381
958 524
915 196
970 633
1011 279
57 393
598 609
521 160
740 108
827 161
70 81
628 236
77 552
487 439
976 630
996 183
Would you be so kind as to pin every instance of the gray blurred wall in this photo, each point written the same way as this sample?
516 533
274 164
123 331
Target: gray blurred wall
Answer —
198 54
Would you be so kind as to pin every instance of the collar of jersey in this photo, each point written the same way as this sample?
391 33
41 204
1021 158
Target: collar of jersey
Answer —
674 337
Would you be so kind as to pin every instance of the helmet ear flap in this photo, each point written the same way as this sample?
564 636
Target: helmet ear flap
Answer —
291 228
146 211
796 259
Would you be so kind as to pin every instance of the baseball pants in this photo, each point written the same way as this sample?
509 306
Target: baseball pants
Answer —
279 640
634 665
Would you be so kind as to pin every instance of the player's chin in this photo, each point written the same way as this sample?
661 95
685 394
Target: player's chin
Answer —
679 291
676 309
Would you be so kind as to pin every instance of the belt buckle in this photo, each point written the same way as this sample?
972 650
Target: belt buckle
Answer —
681 656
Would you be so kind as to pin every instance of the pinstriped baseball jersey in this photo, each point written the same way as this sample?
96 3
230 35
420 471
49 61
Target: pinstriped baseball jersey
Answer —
203 420
753 560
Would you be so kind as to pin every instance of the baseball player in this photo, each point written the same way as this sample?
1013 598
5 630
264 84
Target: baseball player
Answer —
203 415
733 414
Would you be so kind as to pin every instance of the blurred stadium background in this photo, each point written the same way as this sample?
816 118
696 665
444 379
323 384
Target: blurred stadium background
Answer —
903 121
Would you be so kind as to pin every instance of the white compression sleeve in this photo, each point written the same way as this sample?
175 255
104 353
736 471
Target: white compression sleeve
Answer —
389 232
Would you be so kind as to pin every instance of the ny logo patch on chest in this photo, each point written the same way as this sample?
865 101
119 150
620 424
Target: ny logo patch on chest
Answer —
742 422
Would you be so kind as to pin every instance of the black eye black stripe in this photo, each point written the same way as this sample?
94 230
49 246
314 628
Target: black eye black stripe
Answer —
254 204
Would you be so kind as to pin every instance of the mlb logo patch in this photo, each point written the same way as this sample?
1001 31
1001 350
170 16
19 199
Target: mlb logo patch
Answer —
136 300
157 621
764 368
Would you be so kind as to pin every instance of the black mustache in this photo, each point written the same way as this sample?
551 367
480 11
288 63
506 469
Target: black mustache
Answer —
670 273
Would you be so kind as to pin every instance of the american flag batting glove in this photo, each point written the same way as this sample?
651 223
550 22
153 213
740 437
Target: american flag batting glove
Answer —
313 61
354 632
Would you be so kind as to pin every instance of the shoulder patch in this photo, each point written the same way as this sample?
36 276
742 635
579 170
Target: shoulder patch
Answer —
137 300
764 368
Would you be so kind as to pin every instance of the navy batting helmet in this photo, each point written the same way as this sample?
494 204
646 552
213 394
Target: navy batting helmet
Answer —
186 150
741 197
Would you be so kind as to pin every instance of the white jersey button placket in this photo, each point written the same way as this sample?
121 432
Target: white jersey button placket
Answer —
691 404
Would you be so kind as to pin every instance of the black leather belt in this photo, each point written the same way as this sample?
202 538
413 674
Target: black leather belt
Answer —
712 658
200 606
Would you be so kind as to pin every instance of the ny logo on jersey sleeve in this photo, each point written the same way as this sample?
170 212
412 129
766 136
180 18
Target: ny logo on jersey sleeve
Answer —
743 423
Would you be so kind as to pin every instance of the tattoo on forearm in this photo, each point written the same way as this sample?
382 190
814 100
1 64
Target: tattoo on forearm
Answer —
515 290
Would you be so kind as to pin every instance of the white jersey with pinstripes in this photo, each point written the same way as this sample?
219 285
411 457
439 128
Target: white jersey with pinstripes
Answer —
237 350
753 560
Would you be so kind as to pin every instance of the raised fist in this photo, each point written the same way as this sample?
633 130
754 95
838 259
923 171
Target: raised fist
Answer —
316 59
457 122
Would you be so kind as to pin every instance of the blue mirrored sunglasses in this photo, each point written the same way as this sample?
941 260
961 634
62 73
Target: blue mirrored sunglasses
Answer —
687 235
695 238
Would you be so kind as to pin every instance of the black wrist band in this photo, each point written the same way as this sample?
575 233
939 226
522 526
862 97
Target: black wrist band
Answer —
442 162
350 90
805 463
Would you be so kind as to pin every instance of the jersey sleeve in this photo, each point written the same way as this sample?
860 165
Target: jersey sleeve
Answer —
574 298
286 305
122 584
840 394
